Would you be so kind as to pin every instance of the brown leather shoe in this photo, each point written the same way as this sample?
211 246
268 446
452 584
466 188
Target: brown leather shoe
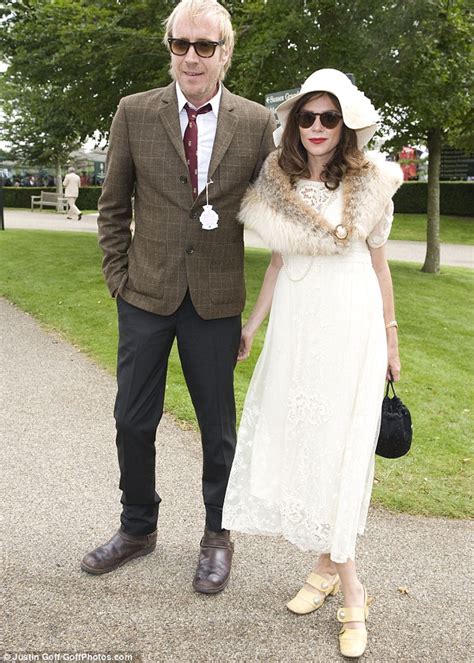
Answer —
119 550
215 559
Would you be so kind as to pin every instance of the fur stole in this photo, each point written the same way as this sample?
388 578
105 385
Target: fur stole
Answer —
276 212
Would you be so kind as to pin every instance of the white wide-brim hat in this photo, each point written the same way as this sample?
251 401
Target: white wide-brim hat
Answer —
358 113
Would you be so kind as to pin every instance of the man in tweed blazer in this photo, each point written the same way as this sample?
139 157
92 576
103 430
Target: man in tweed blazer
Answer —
175 279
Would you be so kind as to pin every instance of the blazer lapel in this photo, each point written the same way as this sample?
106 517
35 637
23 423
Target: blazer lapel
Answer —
169 115
226 126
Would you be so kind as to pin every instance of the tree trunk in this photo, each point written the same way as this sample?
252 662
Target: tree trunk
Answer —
432 259
59 184
59 178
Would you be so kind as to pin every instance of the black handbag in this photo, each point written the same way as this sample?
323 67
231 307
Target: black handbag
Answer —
396 429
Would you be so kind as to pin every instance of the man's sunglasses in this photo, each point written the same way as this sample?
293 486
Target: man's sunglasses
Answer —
205 49
329 119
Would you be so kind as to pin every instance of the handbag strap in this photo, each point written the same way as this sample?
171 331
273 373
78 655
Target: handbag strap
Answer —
390 385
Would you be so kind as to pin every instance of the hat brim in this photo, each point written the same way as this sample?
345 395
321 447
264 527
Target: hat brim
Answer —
357 111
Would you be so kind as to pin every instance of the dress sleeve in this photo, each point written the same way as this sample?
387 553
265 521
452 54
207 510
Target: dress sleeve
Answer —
379 234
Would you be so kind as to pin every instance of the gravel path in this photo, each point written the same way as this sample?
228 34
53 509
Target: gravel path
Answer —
453 255
60 499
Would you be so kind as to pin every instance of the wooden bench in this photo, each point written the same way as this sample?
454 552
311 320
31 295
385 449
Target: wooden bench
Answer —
49 199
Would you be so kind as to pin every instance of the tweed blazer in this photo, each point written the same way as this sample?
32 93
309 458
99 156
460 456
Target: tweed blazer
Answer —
169 251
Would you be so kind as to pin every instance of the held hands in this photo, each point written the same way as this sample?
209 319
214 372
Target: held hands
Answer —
246 340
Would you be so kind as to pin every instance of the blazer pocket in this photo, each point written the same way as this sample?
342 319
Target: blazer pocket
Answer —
226 273
146 269
234 173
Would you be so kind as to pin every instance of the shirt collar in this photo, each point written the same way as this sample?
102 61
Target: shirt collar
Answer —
215 101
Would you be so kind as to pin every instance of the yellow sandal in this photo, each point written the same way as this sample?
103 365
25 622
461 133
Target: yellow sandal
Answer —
353 641
307 601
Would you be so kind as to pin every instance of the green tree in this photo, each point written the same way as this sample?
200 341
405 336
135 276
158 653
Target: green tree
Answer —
422 81
413 59
98 51
38 127
280 43
92 52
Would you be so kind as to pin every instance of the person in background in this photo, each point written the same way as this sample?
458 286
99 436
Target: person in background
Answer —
72 183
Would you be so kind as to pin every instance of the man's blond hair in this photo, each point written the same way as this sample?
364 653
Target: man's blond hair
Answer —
194 8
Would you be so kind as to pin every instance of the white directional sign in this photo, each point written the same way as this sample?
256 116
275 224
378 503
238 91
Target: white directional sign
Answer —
274 99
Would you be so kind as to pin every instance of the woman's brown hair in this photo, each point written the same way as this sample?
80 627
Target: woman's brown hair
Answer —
293 159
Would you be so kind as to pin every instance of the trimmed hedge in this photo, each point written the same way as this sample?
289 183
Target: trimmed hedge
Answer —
20 196
89 197
457 198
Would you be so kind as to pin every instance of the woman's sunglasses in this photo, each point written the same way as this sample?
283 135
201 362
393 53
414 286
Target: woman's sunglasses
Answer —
205 49
329 119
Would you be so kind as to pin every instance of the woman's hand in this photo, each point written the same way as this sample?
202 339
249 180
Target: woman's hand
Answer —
393 367
246 340
382 271
262 306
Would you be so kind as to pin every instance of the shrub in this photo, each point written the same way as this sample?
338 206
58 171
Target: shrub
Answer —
456 198
20 196
89 197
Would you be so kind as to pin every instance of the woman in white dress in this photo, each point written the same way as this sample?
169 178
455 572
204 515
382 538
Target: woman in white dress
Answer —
305 454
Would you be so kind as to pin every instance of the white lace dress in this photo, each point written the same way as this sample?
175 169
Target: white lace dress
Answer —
305 454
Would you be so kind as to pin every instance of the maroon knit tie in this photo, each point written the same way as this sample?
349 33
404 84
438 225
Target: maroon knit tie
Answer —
190 140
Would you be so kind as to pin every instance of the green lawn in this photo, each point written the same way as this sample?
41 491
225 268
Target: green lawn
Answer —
453 229
57 278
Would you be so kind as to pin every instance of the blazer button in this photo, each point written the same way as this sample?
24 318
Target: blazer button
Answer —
183 179
190 250
193 214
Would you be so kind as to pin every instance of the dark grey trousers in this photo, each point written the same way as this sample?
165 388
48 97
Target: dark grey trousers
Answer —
208 353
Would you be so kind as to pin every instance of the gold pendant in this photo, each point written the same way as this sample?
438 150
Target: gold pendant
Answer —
341 232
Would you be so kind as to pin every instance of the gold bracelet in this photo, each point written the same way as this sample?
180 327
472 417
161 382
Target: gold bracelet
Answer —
392 323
